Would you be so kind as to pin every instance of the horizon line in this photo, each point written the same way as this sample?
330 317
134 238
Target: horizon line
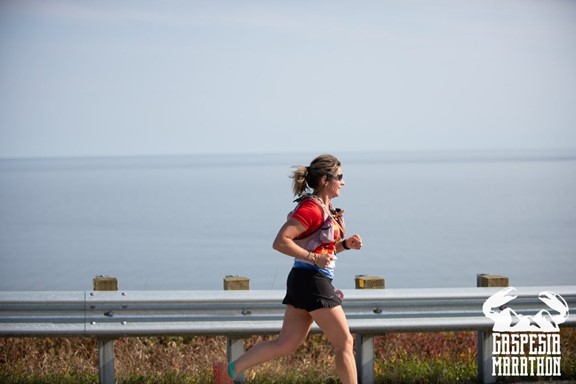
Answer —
447 154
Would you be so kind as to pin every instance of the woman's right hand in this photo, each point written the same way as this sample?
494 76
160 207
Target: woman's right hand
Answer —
323 260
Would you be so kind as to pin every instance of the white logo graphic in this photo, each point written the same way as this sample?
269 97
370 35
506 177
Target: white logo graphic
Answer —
507 320
525 345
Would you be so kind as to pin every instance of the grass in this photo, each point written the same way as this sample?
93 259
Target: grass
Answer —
447 357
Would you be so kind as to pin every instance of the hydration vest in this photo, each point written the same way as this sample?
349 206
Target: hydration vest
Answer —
323 235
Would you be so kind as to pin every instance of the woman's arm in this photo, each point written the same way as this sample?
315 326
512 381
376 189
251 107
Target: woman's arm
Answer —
352 242
284 243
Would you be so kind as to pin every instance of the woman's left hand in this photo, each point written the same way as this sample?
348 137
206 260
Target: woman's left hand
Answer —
354 242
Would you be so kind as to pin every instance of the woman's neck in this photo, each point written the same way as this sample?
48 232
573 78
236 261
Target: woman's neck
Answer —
324 198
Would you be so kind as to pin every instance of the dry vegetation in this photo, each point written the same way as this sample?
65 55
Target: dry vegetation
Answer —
409 358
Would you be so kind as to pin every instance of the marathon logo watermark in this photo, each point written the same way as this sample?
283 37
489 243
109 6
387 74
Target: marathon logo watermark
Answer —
525 345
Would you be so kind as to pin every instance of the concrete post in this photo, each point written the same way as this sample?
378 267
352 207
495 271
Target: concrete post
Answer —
485 340
106 359
369 282
364 344
234 345
236 283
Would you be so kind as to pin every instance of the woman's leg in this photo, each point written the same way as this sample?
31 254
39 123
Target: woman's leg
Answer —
296 325
333 323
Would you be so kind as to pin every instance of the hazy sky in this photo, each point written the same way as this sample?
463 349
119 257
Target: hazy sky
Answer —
181 77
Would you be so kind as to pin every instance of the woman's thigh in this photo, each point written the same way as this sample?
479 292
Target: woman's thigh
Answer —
295 328
333 323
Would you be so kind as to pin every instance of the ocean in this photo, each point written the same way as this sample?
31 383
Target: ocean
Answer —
427 219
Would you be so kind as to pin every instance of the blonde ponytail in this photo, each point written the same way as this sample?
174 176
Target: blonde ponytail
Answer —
299 182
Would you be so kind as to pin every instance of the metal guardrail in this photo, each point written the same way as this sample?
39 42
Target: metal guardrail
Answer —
112 314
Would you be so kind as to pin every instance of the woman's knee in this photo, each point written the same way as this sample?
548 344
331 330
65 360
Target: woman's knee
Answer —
348 343
343 342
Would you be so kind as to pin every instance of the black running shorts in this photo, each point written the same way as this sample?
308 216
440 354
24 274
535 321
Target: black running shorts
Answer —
310 290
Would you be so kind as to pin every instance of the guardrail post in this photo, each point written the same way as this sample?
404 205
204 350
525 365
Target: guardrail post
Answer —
364 344
485 340
234 345
106 360
107 373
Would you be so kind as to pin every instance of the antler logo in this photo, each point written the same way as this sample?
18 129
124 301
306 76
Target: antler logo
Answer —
507 320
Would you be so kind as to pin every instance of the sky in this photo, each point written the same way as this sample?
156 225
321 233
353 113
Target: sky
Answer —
131 78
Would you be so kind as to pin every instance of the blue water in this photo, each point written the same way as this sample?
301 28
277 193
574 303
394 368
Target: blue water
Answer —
185 222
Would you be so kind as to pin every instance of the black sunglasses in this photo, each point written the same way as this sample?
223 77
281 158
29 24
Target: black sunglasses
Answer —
337 177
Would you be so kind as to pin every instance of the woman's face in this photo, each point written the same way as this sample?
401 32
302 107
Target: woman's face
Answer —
333 186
